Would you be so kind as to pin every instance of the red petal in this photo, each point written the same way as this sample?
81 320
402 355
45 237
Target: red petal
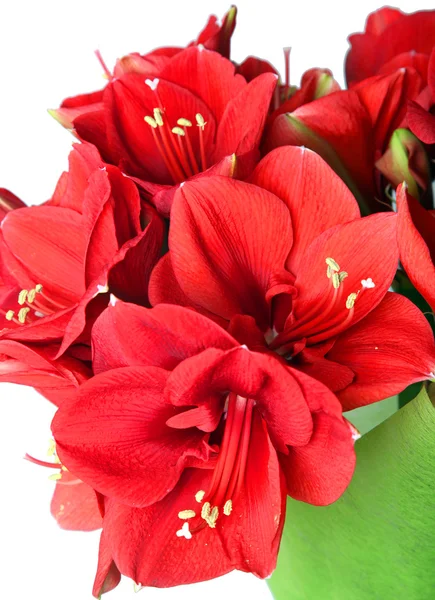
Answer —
388 350
227 240
115 438
50 243
75 507
206 74
315 196
421 123
319 472
416 238
162 336
8 202
211 375
107 576
165 560
242 122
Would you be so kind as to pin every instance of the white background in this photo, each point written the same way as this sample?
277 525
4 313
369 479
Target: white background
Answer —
46 54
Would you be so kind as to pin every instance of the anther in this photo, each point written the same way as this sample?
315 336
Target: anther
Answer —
150 122
228 507
178 131
55 477
22 314
331 263
31 296
350 302
186 514
200 120
184 122
158 117
9 315
336 280
199 496
205 510
211 521
343 275
38 288
22 296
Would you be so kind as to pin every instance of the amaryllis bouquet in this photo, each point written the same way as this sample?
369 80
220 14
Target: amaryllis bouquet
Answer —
230 265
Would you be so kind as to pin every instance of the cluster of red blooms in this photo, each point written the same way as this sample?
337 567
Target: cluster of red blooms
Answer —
207 291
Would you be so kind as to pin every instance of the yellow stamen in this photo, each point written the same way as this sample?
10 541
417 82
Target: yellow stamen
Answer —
350 302
31 296
184 122
55 477
329 272
343 275
199 496
336 280
22 314
150 122
9 315
211 520
178 131
228 507
331 263
22 296
158 116
200 120
51 448
38 288
186 514
205 510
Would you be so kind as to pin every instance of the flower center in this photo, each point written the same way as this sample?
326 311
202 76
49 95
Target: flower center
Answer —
175 146
326 319
229 473
34 303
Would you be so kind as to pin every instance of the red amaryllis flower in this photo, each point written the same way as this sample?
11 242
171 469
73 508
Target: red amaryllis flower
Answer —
416 239
420 120
288 265
392 39
56 259
195 442
169 124
351 129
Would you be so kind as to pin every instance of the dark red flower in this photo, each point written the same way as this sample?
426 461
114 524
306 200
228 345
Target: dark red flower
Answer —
8 202
416 239
392 39
288 265
59 260
168 124
195 441
351 129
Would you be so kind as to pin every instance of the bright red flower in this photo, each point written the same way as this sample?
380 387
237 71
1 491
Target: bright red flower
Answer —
196 441
420 120
59 260
171 123
392 39
416 239
351 129
288 265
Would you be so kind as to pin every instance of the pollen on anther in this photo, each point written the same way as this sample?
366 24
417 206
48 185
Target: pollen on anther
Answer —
186 514
200 120
336 280
199 496
22 297
184 122
158 116
205 510
211 521
331 263
22 314
38 288
150 122
55 477
228 507
31 296
343 275
178 131
350 302
9 315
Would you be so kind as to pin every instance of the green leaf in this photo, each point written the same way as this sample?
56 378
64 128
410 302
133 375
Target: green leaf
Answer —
368 417
377 542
